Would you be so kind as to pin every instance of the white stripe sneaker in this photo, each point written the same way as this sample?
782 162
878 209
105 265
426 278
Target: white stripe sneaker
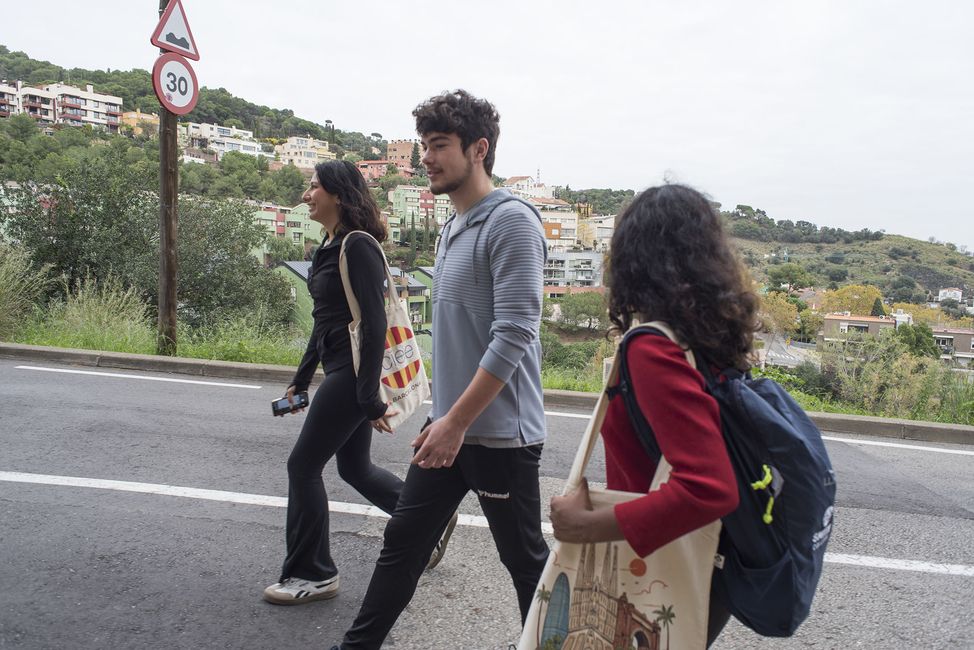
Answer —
295 591
440 550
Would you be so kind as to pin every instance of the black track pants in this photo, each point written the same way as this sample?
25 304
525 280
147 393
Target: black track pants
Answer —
506 482
334 426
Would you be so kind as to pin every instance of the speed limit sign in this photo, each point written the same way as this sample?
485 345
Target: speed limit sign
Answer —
175 83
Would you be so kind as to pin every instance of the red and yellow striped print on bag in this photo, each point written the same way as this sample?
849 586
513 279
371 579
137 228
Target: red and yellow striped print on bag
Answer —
401 360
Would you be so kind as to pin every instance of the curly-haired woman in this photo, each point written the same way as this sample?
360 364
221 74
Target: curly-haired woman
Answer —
670 261
345 407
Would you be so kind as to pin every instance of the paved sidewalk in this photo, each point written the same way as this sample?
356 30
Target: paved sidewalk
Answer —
830 422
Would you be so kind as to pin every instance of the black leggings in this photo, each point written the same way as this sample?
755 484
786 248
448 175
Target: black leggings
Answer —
335 426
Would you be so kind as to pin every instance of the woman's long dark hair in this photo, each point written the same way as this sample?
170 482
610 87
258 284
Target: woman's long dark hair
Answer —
358 208
671 261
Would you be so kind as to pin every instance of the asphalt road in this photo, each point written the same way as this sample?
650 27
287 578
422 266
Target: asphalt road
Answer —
173 547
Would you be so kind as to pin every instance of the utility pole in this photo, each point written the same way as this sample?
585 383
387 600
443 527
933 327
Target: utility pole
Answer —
168 205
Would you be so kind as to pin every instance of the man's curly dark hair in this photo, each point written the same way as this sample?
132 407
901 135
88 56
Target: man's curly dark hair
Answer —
672 261
461 113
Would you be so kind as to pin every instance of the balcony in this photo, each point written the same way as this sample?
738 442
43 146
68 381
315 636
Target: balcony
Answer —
29 103
4 113
116 113
70 103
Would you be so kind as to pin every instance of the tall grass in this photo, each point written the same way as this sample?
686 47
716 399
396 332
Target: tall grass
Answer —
95 315
244 338
21 287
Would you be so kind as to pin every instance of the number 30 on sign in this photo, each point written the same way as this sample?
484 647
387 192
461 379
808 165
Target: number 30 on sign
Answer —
175 83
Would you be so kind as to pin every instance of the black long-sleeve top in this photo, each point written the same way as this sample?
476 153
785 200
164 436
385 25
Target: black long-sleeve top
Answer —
330 342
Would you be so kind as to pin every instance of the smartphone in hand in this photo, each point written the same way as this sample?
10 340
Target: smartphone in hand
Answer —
282 406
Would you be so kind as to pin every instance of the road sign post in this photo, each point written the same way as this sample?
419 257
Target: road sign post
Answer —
177 88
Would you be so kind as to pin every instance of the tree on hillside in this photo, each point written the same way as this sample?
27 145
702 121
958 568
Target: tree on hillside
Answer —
414 159
953 308
778 314
809 324
878 309
99 219
584 309
853 298
280 250
918 339
794 275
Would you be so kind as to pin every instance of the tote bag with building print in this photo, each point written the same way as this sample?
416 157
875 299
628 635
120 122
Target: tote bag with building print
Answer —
402 381
605 596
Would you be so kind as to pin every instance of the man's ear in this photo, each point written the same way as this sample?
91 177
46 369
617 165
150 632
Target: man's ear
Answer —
481 147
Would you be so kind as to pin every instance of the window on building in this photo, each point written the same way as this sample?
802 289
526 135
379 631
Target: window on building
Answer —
296 237
222 131
944 342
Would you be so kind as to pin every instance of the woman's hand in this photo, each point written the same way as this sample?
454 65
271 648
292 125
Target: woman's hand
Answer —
290 400
575 520
382 423
570 515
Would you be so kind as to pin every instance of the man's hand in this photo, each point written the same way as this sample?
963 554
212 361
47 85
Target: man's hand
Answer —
571 515
439 443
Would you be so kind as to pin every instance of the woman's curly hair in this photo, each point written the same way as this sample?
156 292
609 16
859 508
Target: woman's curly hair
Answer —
671 261
359 210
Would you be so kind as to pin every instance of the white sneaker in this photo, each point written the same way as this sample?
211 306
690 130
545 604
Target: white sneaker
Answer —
440 549
295 591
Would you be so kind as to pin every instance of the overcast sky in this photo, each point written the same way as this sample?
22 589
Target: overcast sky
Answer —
842 113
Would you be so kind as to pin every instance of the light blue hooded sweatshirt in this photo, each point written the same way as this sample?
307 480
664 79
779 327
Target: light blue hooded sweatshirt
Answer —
487 293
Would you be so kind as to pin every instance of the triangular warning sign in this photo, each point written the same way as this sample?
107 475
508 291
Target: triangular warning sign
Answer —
173 33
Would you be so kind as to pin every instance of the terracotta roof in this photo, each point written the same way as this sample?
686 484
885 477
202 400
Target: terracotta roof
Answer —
514 179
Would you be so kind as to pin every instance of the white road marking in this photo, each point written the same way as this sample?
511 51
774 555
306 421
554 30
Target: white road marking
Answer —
371 511
899 445
124 376
901 565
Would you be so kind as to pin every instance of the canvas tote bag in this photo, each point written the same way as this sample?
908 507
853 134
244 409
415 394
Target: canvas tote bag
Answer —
402 381
604 596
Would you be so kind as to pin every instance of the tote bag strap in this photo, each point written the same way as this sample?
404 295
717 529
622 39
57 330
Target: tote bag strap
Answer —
353 305
592 432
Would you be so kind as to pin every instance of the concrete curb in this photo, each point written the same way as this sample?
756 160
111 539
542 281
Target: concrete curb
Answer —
831 422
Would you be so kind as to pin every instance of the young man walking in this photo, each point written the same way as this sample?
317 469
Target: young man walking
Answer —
487 426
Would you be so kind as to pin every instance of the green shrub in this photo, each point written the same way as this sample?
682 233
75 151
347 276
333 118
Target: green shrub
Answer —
21 286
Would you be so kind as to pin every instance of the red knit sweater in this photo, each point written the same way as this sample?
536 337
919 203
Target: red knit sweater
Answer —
686 422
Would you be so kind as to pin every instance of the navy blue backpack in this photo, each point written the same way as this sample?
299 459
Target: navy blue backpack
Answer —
772 546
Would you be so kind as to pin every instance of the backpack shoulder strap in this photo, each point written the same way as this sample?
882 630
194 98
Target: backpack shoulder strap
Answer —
644 432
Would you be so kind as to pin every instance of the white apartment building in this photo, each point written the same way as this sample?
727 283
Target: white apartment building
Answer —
950 293
304 152
526 187
61 104
573 269
196 131
604 227
561 229
224 145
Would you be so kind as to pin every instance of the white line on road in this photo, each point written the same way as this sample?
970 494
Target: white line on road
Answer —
371 511
899 445
123 376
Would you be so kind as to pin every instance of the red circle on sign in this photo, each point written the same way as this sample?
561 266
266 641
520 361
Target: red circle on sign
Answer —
175 83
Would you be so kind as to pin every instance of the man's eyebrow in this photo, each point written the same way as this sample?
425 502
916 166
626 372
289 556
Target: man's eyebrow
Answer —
437 138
